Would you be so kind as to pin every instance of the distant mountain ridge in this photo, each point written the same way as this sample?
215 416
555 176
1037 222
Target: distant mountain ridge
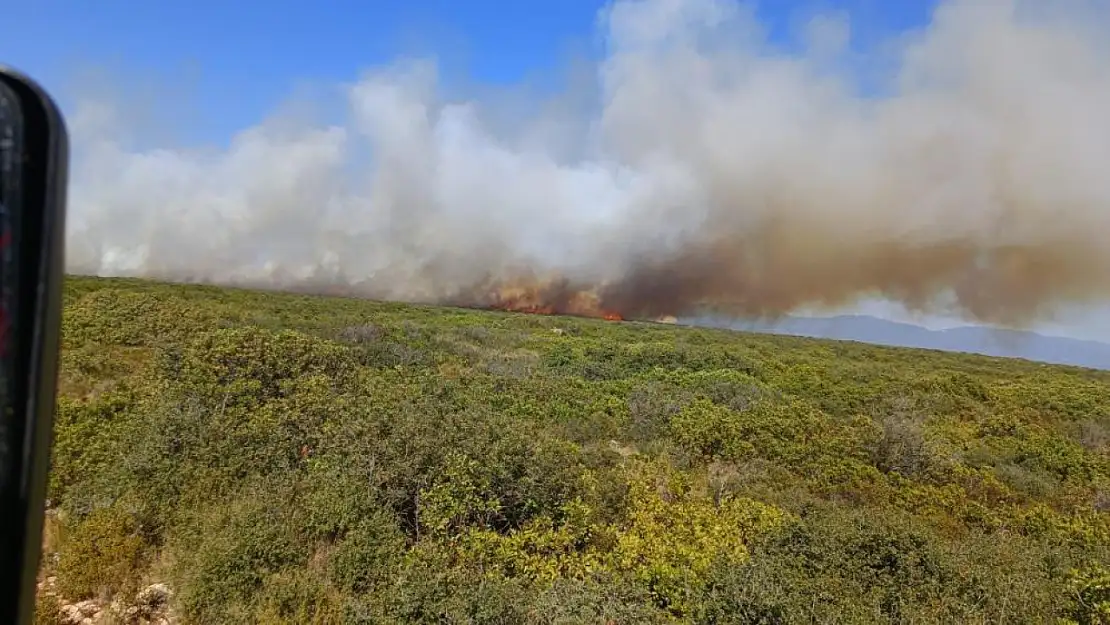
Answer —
976 340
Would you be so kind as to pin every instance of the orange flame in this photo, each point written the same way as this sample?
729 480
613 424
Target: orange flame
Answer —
554 297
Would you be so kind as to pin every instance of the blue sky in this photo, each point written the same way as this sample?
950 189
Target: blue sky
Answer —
236 61
229 64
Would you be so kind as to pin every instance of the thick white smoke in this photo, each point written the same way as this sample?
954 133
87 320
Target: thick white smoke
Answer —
713 172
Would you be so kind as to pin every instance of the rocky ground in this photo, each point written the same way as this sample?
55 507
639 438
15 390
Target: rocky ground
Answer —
150 606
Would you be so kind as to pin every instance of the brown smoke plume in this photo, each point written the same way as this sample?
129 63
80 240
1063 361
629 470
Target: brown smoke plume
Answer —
715 174
551 296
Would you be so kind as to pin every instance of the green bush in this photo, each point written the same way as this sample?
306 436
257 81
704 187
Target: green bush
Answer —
284 458
226 553
101 555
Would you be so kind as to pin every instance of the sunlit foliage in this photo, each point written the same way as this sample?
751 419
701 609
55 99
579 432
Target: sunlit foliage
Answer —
282 458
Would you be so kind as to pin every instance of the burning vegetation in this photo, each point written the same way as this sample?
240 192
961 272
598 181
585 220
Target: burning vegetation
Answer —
541 297
970 185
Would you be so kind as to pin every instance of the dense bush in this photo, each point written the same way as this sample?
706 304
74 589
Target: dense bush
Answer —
280 458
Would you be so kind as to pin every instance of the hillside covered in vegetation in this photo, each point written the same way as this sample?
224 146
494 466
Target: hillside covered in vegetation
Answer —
279 458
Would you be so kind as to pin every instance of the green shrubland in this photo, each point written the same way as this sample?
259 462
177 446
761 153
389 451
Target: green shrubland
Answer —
282 458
